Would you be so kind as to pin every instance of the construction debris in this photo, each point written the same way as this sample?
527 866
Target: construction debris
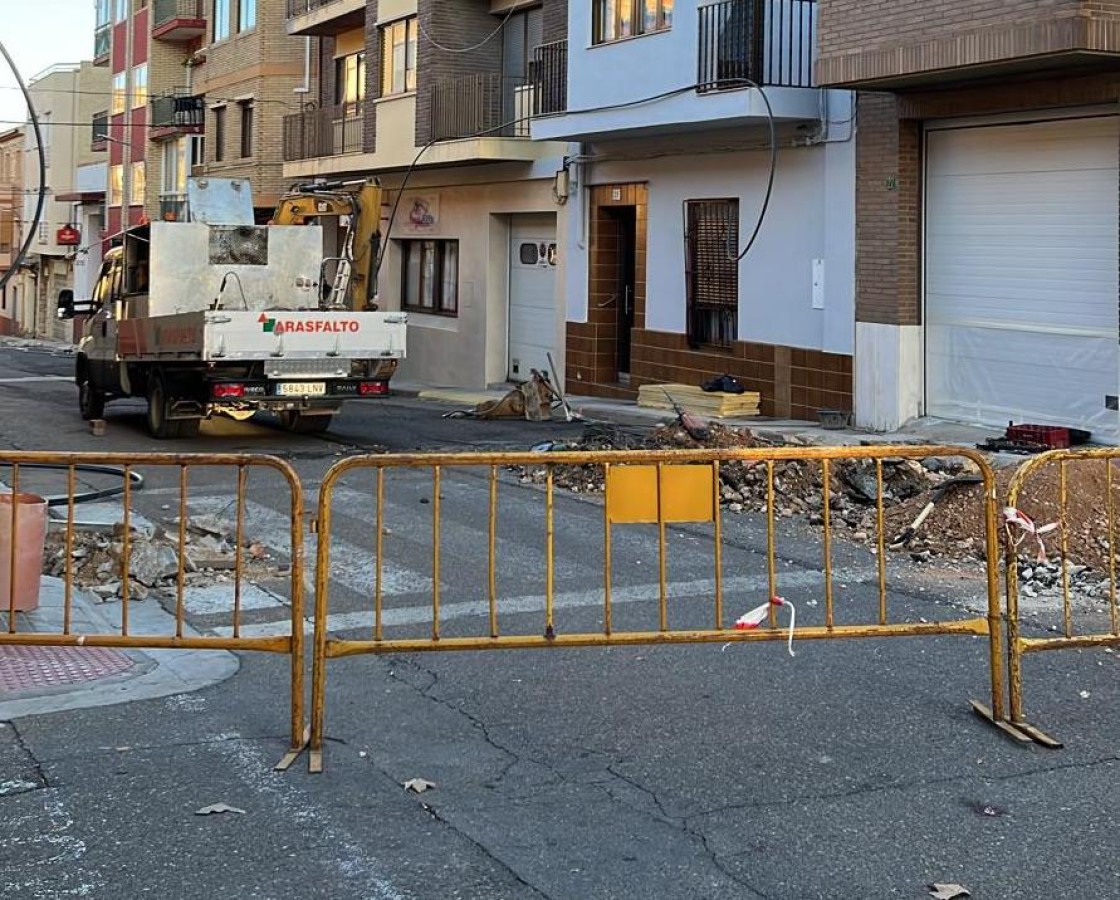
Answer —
210 557
532 400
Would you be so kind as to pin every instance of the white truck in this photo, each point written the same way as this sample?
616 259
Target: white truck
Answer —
209 317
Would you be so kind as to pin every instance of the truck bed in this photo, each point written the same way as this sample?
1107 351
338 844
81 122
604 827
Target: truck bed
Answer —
236 336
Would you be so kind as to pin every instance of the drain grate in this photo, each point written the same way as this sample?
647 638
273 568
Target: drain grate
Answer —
24 668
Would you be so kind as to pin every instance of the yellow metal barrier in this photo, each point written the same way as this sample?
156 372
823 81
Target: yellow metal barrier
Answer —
16 469
653 487
1017 645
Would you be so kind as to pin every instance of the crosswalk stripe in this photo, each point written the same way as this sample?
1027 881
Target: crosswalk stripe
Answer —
576 599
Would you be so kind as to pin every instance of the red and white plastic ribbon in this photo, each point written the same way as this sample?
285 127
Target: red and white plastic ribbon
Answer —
754 619
1017 519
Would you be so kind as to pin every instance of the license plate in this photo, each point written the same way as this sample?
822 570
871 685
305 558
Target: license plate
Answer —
301 388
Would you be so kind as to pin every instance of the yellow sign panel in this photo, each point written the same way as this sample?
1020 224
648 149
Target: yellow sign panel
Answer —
685 494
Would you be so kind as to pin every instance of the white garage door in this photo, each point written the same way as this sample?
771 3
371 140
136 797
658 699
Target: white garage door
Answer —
1021 274
532 295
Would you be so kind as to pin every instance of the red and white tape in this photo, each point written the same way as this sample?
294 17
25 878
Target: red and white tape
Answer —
754 619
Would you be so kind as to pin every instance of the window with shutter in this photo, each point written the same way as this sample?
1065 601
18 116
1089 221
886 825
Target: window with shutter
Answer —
712 272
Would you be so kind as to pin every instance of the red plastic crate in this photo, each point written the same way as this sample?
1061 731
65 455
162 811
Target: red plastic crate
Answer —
1052 436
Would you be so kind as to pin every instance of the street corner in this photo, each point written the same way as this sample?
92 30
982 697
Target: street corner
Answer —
45 678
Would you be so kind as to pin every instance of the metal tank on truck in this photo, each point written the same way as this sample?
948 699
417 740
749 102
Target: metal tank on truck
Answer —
220 316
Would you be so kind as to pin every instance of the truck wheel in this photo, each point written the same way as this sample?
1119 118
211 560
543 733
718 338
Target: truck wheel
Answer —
300 423
91 399
159 425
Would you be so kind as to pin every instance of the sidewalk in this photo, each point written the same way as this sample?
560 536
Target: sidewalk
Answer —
35 679
920 431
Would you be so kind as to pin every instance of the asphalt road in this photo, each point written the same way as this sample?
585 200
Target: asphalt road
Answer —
854 769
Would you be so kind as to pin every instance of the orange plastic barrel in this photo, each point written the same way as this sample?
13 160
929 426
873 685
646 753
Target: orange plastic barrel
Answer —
30 525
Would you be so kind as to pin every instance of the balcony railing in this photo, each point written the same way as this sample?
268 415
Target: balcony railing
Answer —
767 42
173 207
100 135
178 111
550 78
330 131
486 105
164 11
300 7
101 41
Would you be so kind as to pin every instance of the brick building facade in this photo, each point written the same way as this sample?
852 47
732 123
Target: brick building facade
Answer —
960 95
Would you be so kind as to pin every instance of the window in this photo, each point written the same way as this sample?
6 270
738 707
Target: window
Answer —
120 10
712 272
197 155
118 97
430 276
175 166
350 82
221 20
398 57
246 15
219 133
138 184
103 12
140 86
246 128
616 19
116 185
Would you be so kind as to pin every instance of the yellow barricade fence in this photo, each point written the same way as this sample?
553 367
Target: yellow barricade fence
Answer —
1076 630
661 491
163 482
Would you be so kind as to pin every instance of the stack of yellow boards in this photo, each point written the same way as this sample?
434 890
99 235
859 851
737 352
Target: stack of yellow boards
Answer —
698 402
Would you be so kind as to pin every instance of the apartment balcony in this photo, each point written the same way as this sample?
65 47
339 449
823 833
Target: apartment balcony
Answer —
177 21
479 106
324 18
913 44
764 42
99 138
102 42
173 207
699 74
550 78
176 114
331 131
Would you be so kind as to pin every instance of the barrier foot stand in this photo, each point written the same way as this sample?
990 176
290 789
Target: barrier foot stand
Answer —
315 762
985 713
1039 736
292 755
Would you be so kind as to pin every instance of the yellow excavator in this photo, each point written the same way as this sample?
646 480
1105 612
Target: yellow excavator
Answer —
354 284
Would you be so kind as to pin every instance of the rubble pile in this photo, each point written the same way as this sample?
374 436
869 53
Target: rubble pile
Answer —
954 529
210 557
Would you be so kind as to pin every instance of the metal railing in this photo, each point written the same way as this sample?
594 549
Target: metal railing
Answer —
167 10
300 7
520 600
550 78
768 42
101 41
100 129
331 131
225 482
178 111
484 105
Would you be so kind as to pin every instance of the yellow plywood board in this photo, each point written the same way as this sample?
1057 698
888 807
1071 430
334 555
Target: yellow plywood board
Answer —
685 494
695 400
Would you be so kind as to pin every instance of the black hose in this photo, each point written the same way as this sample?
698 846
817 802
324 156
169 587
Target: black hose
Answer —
135 478
33 230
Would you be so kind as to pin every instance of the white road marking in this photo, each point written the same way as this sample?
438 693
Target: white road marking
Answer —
700 587
23 379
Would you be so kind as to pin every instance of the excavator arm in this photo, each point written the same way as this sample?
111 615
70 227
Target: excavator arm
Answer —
361 202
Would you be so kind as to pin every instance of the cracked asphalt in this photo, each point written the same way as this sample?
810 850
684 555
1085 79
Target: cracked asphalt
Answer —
855 769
